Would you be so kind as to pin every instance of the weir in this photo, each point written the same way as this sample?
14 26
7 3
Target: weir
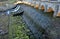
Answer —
41 17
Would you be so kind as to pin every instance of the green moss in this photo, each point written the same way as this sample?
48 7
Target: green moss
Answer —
17 28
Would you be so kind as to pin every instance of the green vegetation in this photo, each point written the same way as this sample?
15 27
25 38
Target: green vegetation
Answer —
17 28
12 1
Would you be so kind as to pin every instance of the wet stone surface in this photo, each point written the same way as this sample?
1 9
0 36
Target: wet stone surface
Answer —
3 26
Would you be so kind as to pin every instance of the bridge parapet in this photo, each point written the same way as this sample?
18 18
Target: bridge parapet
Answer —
51 5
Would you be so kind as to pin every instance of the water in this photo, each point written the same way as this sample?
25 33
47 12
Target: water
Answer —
44 21
40 24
